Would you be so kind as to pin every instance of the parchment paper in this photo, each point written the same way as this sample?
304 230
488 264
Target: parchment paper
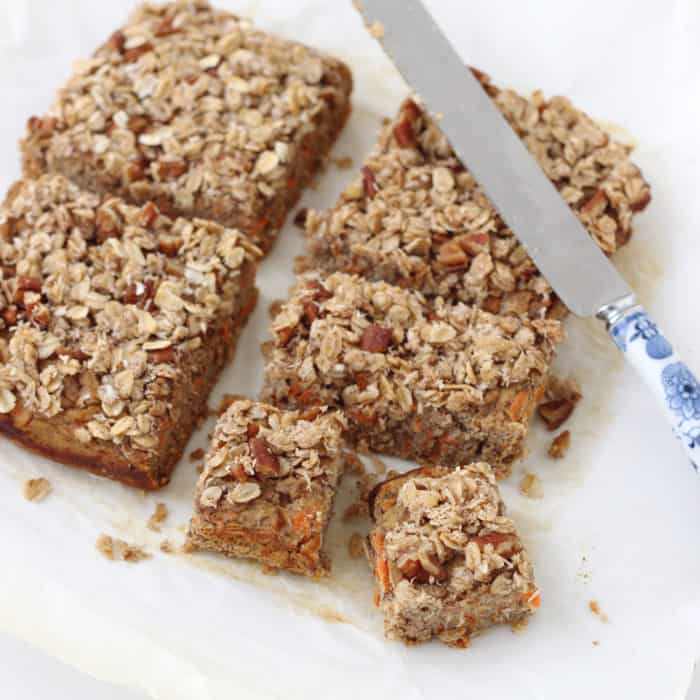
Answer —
619 518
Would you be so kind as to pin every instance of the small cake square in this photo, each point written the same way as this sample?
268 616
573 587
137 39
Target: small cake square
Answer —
427 381
114 324
447 560
196 110
268 484
415 217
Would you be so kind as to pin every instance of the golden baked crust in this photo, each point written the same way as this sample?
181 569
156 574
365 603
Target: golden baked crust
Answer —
114 324
447 560
433 382
415 217
196 110
268 484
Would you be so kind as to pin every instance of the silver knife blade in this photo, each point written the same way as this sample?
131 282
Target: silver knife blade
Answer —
525 198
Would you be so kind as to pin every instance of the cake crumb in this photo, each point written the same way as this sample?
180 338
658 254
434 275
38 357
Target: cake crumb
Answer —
355 545
199 469
118 550
36 490
376 29
196 455
166 547
226 401
596 643
356 510
594 606
378 464
270 570
159 515
560 445
519 626
353 463
343 163
301 264
188 548
275 307
531 485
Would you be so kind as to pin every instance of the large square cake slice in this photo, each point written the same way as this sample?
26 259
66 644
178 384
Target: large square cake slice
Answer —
114 324
195 109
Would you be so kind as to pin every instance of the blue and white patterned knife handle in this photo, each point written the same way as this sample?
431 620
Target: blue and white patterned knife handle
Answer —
648 351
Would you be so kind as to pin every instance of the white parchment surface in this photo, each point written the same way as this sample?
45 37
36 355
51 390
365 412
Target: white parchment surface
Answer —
619 521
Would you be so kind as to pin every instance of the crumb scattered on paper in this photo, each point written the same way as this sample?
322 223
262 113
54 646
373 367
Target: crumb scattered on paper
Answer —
36 489
343 163
226 401
275 307
519 626
560 445
531 485
270 570
378 464
188 548
596 643
355 545
353 464
301 264
376 29
300 217
594 606
159 515
196 455
166 547
118 550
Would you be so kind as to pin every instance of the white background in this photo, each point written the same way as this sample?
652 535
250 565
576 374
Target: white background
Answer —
623 499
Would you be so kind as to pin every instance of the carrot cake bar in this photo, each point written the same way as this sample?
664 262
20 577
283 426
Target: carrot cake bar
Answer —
447 561
114 323
268 484
194 109
422 380
414 216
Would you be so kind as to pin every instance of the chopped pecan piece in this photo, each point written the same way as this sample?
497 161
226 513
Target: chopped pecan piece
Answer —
162 355
168 169
474 243
300 217
368 182
451 254
266 463
554 413
117 41
149 213
310 312
376 338
138 123
133 55
165 28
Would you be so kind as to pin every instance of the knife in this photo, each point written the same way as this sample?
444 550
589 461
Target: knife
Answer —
577 270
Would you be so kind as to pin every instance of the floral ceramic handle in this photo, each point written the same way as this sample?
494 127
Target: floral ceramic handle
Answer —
671 380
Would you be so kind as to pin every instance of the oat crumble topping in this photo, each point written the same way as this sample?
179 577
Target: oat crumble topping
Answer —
416 217
158 517
413 353
118 550
446 555
193 108
257 448
95 310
